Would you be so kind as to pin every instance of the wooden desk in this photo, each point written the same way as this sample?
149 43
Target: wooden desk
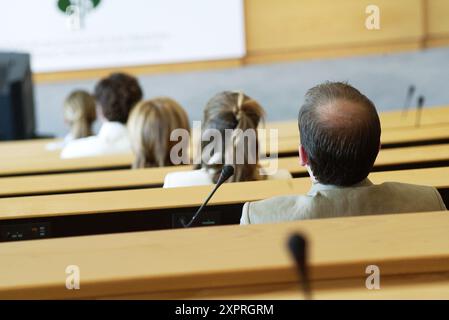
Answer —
24 147
415 136
140 199
130 210
433 286
25 166
30 157
153 209
205 262
389 159
431 116
390 120
159 198
106 180
30 166
288 146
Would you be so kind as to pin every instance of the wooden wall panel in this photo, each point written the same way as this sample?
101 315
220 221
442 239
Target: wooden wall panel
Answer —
438 17
438 22
297 24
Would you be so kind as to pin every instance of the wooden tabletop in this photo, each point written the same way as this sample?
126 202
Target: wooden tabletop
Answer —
39 165
396 119
287 145
140 199
30 156
86 181
151 177
424 286
158 198
164 263
390 120
24 147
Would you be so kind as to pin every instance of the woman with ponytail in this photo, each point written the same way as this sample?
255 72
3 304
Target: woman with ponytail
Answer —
228 136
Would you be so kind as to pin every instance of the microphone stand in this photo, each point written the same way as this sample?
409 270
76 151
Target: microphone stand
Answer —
408 100
226 173
419 108
195 216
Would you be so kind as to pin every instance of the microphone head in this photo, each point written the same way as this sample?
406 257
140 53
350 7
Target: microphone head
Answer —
421 101
298 246
226 173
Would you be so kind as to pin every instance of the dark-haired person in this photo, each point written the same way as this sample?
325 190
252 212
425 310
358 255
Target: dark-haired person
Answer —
115 96
340 139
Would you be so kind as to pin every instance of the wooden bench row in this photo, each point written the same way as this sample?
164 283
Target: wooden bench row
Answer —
151 209
390 120
228 262
30 157
388 159
27 165
239 262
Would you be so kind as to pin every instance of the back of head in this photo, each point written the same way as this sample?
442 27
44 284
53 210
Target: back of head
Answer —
117 95
340 133
180 119
150 125
241 115
79 113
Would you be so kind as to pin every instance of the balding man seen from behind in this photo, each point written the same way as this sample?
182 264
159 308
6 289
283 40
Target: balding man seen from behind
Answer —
340 139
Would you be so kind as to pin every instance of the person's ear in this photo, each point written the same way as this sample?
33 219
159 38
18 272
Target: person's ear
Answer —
303 159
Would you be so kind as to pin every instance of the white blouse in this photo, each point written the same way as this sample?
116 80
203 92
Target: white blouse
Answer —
111 139
60 143
204 177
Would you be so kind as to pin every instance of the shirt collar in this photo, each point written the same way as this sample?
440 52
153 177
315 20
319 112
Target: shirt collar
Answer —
316 187
112 129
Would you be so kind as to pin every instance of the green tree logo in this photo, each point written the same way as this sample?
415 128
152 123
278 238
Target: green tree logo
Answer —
76 11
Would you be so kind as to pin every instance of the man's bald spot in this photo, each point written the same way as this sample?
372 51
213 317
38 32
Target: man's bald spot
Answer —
342 113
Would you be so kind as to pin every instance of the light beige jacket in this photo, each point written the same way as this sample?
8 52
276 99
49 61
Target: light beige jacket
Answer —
327 201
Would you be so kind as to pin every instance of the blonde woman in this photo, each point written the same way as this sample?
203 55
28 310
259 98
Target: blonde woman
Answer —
150 125
233 115
79 115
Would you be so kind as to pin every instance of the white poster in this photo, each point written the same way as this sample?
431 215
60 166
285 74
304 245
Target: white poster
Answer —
82 34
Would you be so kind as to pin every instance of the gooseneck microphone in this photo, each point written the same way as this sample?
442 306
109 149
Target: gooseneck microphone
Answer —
297 245
408 99
226 173
419 108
